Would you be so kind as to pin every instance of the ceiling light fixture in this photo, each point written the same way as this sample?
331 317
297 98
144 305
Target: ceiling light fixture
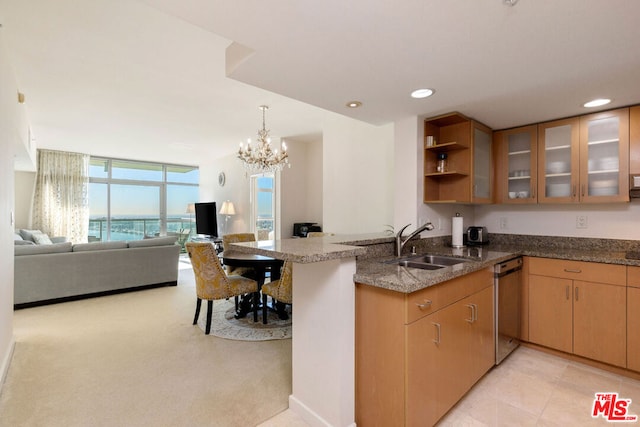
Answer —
510 2
354 104
262 158
422 93
596 103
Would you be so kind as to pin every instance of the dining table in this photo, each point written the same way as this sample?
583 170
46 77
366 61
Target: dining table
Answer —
261 265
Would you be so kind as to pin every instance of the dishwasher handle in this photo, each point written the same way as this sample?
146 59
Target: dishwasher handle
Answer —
508 267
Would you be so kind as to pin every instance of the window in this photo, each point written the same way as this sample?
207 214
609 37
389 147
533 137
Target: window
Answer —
263 206
131 200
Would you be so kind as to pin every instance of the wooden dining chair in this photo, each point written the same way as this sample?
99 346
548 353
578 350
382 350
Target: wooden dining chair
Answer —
279 290
212 283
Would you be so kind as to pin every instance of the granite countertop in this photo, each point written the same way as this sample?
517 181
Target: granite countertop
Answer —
372 250
375 272
300 250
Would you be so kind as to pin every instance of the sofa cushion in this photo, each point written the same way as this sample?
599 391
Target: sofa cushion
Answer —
98 246
156 241
23 242
28 234
17 236
42 249
41 239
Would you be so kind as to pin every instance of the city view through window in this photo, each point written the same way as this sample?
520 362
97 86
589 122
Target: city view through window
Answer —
131 200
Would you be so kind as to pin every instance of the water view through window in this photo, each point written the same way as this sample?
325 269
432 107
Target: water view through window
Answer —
131 200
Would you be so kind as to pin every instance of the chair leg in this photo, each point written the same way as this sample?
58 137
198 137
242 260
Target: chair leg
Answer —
198 304
264 309
209 310
256 303
237 298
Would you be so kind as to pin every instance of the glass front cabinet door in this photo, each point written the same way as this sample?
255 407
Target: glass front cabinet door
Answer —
604 157
517 165
584 159
558 161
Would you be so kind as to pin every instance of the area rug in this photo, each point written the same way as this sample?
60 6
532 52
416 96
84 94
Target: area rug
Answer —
224 325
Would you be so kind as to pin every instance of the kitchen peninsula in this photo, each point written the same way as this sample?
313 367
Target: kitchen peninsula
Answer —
326 277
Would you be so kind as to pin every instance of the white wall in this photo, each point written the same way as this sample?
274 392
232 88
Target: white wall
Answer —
300 188
11 135
611 221
357 176
24 185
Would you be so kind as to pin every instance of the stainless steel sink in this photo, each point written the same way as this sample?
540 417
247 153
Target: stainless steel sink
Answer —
427 262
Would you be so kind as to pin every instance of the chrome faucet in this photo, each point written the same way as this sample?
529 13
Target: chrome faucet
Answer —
401 241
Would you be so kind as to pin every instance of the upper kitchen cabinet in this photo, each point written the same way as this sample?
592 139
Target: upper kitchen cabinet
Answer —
584 159
516 165
457 160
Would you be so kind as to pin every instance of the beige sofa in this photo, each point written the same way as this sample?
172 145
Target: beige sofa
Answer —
59 272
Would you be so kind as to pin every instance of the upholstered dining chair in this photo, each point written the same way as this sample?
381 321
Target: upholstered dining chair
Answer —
211 281
279 290
237 238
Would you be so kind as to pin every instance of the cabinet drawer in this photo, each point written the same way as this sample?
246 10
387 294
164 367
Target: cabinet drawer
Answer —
633 276
579 270
433 298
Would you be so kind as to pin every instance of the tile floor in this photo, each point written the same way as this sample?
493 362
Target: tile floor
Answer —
530 388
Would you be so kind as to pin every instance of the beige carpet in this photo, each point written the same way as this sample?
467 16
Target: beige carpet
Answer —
135 360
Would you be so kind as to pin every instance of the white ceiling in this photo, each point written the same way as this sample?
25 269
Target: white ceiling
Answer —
147 79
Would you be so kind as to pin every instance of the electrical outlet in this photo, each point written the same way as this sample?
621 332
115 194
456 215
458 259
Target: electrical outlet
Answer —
581 221
439 223
503 223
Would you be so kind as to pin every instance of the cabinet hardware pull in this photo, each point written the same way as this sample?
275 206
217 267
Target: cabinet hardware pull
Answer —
437 325
533 192
569 270
475 312
567 291
582 190
574 191
576 293
472 311
425 304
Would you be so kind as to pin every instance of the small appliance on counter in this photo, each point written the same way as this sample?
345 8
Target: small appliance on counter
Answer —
300 229
477 236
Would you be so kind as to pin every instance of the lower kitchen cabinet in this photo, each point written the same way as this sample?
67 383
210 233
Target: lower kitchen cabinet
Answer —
410 372
633 318
571 314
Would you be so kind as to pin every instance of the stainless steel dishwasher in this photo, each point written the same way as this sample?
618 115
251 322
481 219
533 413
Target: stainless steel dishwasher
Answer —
508 285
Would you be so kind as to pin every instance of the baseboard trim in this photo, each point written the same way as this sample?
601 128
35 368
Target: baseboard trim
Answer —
93 295
308 415
6 361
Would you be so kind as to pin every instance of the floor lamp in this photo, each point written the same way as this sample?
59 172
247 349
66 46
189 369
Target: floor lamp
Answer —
227 209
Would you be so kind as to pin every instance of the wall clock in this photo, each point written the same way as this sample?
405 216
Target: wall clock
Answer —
221 179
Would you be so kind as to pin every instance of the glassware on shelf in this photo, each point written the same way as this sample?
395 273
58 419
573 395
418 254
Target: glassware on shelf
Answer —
442 166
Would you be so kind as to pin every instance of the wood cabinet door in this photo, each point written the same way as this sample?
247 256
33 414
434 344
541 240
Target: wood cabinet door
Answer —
550 312
558 161
481 334
633 329
482 182
604 157
599 322
516 168
423 375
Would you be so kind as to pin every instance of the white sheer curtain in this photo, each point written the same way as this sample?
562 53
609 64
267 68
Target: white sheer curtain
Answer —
61 198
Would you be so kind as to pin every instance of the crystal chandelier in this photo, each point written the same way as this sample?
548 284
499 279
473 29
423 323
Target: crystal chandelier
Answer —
261 158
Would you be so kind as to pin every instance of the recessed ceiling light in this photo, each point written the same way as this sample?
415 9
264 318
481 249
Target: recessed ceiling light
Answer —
354 104
597 103
422 93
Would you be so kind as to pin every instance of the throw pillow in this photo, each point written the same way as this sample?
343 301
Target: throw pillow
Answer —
42 239
28 234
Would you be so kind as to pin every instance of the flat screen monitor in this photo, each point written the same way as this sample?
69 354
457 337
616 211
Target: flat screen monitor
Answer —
207 219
